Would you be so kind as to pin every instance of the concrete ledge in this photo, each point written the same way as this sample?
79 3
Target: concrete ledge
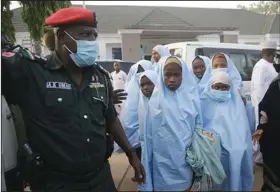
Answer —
130 31
229 33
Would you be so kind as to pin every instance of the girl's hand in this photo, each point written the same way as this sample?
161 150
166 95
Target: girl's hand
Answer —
257 135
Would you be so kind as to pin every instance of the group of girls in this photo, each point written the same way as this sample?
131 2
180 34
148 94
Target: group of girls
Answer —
168 100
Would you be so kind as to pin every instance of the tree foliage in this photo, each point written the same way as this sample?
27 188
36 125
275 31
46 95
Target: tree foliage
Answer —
263 7
7 27
33 14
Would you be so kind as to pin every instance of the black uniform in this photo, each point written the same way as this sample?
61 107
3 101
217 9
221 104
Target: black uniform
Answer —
65 124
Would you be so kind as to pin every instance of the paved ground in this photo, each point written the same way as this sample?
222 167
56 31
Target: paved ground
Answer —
122 174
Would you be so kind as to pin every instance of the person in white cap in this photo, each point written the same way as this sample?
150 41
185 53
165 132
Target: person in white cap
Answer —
263 74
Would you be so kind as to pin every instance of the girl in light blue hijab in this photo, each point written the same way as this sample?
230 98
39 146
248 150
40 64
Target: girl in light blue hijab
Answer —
129 113
174 113
223 112
147 83
199 65
158 52
222 62
131 72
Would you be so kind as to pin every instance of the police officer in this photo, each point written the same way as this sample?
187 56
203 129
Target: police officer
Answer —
67 106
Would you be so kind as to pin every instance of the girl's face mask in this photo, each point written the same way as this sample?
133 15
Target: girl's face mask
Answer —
219 69
87 52
220 96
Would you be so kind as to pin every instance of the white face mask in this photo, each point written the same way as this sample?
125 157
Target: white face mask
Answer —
220 96
87 52
219 69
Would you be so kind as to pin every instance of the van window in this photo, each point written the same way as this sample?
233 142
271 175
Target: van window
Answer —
148 57
178 52
239 59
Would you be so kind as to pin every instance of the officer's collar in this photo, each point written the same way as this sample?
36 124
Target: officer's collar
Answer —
53 61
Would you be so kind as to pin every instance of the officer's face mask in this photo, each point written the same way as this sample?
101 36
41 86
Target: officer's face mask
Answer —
220 96
87 52
219 69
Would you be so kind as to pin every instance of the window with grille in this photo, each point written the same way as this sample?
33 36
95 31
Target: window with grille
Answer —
117 53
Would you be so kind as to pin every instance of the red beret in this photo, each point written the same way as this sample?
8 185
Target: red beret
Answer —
72 15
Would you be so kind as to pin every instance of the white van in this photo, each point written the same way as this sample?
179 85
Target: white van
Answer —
244 56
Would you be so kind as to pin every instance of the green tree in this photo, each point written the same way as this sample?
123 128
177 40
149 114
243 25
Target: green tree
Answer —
7 27
33 14
263 7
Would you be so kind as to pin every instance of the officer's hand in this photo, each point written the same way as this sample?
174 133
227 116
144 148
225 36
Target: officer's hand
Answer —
138 168
118 96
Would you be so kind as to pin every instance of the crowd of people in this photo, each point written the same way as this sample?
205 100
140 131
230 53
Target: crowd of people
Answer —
167 101
182 126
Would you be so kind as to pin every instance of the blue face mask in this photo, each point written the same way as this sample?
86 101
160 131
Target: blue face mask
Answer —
220 95
87 52
219 69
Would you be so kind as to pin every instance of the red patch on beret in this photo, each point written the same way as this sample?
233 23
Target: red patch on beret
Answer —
71 15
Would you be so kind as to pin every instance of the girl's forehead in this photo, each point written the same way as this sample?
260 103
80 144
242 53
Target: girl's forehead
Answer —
220 84
198 61
172 66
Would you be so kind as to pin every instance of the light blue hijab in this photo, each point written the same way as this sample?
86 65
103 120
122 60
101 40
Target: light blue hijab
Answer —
145 133
228 119
131 72
174 115
231 70
163 52
129 113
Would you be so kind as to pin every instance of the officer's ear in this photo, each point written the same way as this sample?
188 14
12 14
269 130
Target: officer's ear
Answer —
60 34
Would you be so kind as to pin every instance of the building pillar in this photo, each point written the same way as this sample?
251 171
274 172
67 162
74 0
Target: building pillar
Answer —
131 50
229 36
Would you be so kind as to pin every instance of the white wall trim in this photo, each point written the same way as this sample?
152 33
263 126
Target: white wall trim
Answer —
130 31
269 35
110 35
230 33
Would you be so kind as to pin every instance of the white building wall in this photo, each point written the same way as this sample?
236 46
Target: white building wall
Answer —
22 38
243 39
149 44
273 37
109 47
107 41
213 38
251 39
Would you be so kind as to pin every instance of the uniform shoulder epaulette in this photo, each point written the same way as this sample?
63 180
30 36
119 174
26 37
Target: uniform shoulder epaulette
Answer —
30 56
104 71
24 53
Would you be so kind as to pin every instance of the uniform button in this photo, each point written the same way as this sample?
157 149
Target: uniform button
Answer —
88 140
59 99
85 116
101 97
